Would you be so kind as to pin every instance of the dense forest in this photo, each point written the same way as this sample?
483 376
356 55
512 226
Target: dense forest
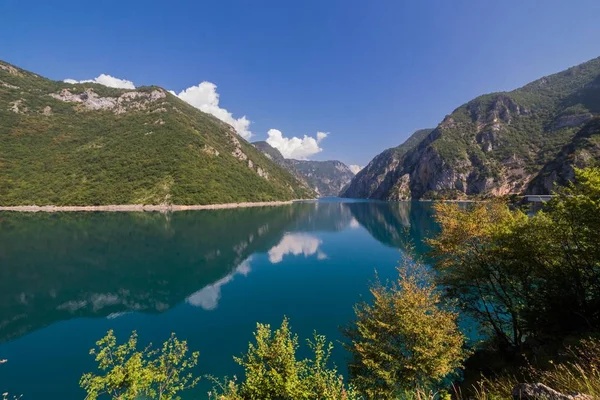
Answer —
88 144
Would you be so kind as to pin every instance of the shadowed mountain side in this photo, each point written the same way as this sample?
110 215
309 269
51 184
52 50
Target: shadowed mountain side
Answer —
581 152
127 266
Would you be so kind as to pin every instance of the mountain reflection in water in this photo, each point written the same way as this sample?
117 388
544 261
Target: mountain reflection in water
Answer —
310 261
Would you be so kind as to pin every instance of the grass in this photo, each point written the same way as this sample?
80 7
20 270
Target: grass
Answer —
577 372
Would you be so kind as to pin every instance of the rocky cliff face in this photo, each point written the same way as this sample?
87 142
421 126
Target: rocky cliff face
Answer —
380 179
326 178
496 144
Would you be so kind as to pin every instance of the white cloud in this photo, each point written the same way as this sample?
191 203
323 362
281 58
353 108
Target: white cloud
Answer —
321 136
208 297
295 147
296 244
106 80
355 168
205 98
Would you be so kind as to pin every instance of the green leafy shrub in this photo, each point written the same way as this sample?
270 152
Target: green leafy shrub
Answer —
272 370
406 342
129 373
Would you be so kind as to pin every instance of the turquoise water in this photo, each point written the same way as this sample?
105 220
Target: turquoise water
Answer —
209 276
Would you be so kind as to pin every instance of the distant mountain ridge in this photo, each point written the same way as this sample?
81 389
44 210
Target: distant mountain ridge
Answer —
326 178
497 144
88 144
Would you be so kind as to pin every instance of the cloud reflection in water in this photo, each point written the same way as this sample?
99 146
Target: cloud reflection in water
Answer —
208 297
296 244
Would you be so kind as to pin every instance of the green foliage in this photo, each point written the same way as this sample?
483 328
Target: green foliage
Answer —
272 370
412 142
165 152
406 341
128 373
525 276
472 267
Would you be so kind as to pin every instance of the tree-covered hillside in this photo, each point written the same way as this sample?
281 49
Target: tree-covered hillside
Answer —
87 144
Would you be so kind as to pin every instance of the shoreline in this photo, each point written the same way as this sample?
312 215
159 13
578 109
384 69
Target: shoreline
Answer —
147 207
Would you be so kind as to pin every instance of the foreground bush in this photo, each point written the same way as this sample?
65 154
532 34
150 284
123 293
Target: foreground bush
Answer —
273 371
128 373
406 342
525 277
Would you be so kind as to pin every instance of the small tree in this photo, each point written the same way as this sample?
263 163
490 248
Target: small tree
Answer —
405 340
130 374
525 276
272 370
473 267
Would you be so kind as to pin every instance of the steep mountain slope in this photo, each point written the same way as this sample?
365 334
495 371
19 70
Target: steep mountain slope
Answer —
87 144
274 155
379 176
582 151
326 178
495 144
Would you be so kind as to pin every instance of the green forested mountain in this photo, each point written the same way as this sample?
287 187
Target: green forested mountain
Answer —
87 144
496 144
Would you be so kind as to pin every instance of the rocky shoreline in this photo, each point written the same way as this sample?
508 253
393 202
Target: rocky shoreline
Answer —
145 207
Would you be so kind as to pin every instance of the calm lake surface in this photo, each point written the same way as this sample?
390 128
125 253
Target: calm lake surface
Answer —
209 276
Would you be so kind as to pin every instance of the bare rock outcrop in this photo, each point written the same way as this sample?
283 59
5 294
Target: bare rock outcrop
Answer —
10 69
240 155
569 121
90 100
18 107
8 85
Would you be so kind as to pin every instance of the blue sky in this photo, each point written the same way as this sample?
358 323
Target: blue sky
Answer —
367 72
